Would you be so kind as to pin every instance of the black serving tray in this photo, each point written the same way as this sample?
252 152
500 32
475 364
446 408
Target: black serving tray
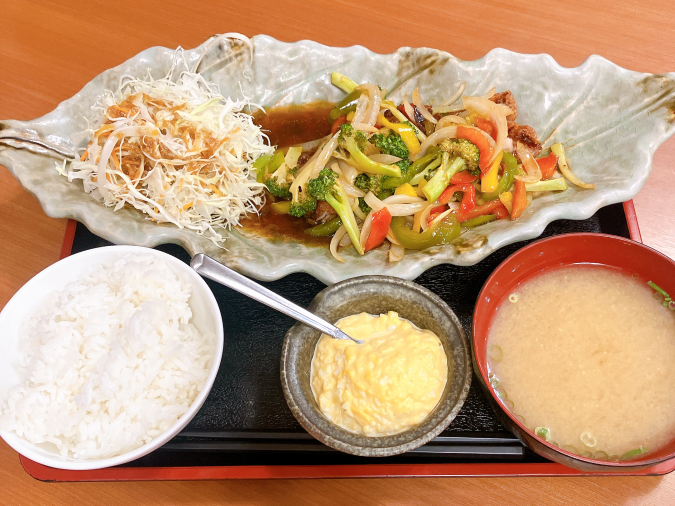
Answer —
245 420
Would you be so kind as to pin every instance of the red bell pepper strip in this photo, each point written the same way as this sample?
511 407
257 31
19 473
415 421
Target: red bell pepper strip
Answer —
519 199
338 123
468 196
486 126
489 208
485 149
435 212
547 166
463 177
378 228
501 212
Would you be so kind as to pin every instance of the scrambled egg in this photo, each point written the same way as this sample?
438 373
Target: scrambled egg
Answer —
384 386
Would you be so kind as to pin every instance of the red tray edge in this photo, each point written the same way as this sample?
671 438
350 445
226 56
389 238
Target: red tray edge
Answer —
45 473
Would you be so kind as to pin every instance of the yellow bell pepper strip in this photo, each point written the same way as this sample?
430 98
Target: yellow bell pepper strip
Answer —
379 228
420 187
490 181
552 185
494 207
416 168
406 132
479 220
342 82
565 169
439 233
507 199
345 106
519 200
325 229
386 104
441 179
506 181
406 189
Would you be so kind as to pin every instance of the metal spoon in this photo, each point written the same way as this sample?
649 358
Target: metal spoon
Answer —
209 268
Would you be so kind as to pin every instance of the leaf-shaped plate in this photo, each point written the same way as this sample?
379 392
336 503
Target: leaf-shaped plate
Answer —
610 120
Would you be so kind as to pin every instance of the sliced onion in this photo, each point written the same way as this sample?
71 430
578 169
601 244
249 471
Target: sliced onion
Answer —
440 217
374 203
449 132
508 145
484 107
454 98
396 253
447 109
375 99
490 93
386 159
345 241
531 166
361 107
365 230
303 174
351 190
407 209
326 153
408 109
348 171
402 199
335 241
417 100
391 238
424 216
450 120
365 128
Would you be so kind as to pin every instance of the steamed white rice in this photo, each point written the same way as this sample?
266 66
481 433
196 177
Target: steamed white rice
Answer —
110 362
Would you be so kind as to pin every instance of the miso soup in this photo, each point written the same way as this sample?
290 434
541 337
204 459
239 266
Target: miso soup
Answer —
585 356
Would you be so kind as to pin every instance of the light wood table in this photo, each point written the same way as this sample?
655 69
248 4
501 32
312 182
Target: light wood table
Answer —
50 49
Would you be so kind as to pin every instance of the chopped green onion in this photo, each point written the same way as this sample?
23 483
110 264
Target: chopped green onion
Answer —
495 352
588 439
543 433
633 453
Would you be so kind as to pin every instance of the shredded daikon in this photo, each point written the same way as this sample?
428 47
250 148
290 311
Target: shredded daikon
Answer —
176 150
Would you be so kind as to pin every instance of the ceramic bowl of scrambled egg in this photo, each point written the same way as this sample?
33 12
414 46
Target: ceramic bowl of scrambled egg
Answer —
395 392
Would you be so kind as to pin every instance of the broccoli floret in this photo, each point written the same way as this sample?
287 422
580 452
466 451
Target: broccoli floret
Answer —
373 183
391 144
279 190
326 186
365 208
355 143
303 205
464 149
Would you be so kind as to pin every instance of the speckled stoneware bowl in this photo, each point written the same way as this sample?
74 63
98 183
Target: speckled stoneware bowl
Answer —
376 295
610 120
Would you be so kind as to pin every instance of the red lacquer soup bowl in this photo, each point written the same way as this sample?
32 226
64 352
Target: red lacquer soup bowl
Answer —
630 257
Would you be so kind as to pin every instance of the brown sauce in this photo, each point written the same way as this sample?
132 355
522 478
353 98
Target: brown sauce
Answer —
295 124
288 126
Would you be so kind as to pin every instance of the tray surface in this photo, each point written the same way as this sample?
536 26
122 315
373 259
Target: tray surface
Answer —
246 409
246 423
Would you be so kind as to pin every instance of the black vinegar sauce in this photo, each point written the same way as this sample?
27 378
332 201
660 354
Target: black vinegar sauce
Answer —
289 126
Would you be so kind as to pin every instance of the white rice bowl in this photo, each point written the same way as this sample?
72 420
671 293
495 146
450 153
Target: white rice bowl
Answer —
102 366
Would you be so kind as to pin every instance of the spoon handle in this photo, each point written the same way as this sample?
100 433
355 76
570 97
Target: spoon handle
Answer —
209 268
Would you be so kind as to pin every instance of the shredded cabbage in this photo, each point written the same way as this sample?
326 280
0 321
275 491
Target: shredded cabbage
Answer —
176 150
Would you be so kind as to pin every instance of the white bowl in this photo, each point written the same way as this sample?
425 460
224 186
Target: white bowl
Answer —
206 317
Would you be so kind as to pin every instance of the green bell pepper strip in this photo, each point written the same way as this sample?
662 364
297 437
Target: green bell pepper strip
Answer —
510 171
325 229
479 220
440 233
272 162
345 106
415 168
